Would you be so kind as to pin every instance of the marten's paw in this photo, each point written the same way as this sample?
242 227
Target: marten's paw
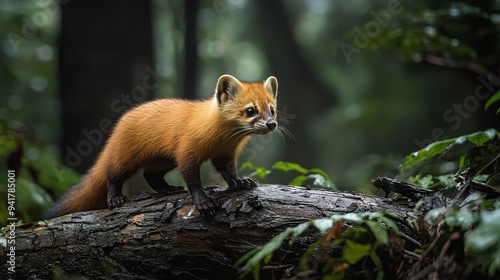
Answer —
205 204
117 201
239 183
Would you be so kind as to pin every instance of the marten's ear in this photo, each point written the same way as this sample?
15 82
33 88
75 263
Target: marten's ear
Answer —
227 88
272 85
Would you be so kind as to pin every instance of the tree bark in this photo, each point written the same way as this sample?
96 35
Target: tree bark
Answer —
163 237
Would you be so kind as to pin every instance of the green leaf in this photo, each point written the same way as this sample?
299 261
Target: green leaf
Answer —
259 171
248 165
354 251
270 247
433 215
320 172
256 271
321 181
462 161
479 138
264 253
465 218
483 243
439 147
262 172
247 256
323 225
494 98
426 153
378 231
298 230
448 181
304 262
390 223
318 180
486 234
290 166
319 177
267 258
376 260
481 178
299 180
425 182
354 217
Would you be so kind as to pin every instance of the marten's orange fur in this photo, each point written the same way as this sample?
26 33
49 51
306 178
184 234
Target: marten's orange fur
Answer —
161 135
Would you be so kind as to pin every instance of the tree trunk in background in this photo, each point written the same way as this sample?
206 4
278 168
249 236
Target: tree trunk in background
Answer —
294 75
105 68
190 48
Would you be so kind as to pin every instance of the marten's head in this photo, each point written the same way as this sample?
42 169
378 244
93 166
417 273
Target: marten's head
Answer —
251 106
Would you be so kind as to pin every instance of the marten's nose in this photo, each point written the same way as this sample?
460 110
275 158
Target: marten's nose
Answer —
271 124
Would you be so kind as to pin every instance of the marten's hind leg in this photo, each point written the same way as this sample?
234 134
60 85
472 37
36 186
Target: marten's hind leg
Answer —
117 174
155 172
115 196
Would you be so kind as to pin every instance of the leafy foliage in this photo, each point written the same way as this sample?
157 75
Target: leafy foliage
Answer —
314 176
483 243
479 139
454 30
493 99
359 242
476 209
467 227
36 178
480 225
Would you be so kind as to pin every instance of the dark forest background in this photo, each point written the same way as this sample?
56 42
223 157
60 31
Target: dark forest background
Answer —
362 83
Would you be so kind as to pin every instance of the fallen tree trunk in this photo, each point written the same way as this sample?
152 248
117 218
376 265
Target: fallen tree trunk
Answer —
164 237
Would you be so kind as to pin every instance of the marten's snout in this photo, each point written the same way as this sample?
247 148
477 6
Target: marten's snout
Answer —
265 125
272 124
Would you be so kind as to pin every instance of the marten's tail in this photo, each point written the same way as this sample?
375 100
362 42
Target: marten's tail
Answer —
89 194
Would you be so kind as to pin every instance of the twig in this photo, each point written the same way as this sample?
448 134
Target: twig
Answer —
427 251
412 254
468 65
489 163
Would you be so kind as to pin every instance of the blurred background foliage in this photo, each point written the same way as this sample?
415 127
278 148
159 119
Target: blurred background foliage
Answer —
362 83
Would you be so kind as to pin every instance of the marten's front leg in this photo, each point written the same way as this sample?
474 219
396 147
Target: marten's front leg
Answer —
226 166
204 203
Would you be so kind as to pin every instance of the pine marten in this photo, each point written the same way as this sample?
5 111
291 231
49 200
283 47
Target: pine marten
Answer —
164 134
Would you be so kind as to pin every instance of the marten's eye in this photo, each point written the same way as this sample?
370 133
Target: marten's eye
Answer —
250 112
272 110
